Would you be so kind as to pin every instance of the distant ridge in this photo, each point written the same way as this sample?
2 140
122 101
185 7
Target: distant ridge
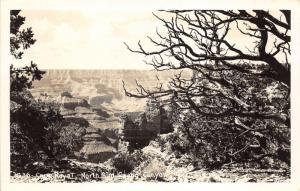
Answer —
102 86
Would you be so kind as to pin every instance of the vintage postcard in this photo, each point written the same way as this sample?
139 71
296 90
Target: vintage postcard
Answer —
141 93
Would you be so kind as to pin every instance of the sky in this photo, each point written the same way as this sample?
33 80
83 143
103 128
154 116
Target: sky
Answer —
94 38
87 39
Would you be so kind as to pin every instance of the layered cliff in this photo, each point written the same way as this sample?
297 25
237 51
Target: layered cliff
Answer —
97 96
102 88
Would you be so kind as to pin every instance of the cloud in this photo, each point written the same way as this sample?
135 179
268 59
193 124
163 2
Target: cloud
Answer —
87 39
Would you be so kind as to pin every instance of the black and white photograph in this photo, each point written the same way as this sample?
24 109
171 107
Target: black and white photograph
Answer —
170 95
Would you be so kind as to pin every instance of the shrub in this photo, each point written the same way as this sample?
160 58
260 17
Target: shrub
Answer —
34 130
29 125
62 140
126 162
38 131
123 162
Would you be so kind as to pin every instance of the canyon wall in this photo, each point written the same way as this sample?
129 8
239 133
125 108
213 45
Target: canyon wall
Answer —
102 88
98 97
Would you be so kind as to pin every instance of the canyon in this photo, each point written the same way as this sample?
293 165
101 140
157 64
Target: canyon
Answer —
102 88
98 97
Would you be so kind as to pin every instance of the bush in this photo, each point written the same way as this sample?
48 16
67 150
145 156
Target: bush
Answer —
38 131
125 162
29 123
213 144
34 131
62 140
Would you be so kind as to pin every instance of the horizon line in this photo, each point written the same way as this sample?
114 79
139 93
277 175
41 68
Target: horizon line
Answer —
95 69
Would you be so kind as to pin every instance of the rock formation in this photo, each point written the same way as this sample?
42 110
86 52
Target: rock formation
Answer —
155 120
102 88
97 97
66 100
97 146
101 138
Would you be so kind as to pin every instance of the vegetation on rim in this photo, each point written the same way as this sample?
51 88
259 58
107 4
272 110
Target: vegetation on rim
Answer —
37 129
236 106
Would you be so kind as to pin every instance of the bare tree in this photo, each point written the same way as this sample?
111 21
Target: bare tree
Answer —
236 86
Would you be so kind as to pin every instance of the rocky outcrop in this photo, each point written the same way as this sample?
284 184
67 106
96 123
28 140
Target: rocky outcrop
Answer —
97 101
65 100
97 146
101 137
97 96
139 132
100 142
166 125
72 103
152 116
101 112
88 114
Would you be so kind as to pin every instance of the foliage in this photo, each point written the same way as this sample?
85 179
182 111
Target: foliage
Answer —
21 78
147 125
235 107
38 130
28 118
63 140
20 40
29 122
123 162
126 162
